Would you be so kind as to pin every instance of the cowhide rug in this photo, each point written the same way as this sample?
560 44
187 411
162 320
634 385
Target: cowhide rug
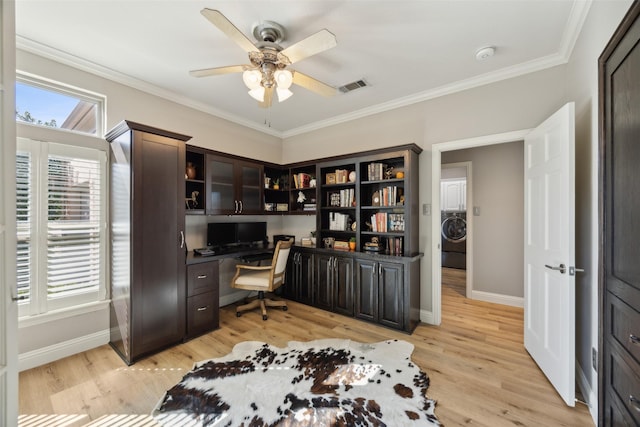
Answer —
327 382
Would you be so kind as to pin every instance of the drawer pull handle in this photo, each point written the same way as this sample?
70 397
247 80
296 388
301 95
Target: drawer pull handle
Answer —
202 276
203 308
634 339
633 401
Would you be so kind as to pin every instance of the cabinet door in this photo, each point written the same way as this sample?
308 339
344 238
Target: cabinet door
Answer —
158 261
292 278
450 197
305 283
366 290
220 183
390 294
324 281
249 187
343 286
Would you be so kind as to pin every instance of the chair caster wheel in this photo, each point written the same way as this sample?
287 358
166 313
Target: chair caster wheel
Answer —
285 308
264 317
238 314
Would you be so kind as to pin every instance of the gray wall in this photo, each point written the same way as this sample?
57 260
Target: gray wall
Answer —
498 232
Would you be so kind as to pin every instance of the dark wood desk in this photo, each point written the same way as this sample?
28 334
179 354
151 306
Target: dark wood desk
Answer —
203 285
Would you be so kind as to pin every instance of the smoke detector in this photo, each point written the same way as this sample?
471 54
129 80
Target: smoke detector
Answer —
485 53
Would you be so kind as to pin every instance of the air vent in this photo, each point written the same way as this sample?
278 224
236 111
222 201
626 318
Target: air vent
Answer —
353 86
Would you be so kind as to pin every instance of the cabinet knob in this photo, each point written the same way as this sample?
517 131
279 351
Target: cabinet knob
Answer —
202 276
634 402
203 308
634 339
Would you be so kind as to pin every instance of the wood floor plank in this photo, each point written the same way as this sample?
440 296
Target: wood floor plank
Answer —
480 373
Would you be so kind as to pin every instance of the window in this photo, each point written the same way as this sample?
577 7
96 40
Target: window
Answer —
57 106
60 196
60 215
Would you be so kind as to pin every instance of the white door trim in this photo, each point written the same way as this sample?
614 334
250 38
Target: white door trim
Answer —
436 150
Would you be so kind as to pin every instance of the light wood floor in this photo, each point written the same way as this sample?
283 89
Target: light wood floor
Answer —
480 373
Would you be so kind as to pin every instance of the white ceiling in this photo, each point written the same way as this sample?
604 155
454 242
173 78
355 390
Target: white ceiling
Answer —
407 51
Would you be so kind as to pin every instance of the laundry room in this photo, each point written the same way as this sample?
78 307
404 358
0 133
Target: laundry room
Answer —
482 221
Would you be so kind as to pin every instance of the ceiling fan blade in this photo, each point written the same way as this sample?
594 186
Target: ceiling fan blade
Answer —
224 25
218 70
315 43
268 97
313 85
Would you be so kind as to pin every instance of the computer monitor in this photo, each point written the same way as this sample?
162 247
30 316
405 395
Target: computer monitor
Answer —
251 232
221 234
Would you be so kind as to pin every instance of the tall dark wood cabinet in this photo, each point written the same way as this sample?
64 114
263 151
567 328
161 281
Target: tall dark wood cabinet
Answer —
147 180
619 363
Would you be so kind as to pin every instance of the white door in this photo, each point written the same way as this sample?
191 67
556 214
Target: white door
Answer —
549 294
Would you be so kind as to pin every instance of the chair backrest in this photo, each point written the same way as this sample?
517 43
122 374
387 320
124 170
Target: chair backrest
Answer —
279 262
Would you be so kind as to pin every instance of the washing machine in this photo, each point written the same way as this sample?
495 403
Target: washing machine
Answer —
454 239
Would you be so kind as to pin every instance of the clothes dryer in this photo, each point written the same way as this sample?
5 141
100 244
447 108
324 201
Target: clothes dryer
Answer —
454 239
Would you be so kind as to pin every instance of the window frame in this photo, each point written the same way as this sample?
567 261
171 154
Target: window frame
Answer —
41 310
68 90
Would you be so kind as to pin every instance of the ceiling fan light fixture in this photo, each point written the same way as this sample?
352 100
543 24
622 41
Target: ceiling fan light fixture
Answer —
284 79
283 94
252 79
257 94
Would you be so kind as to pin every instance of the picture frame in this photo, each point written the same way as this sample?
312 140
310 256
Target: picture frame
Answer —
330 178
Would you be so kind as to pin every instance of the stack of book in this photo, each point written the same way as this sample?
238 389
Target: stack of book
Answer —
395 245
375 171
383 222
309 207
301 180
339 221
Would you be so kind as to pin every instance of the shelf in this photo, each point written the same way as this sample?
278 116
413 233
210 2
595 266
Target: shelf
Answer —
383 181
400 208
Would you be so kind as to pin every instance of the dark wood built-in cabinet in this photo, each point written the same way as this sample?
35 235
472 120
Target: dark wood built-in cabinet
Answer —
365 197
233 186
203 296
300 275
333 285
619 363
380 292
147 184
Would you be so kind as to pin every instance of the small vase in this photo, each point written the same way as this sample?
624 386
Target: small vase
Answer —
352 246
191 171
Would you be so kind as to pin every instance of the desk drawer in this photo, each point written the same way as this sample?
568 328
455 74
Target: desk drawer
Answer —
202 277
202 313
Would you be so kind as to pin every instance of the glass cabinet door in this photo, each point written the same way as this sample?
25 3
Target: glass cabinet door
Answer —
251 188
221 198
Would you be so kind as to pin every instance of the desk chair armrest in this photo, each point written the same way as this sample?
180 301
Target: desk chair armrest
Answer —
253 267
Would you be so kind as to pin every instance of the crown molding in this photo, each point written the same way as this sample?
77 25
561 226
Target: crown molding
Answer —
577 17
56 55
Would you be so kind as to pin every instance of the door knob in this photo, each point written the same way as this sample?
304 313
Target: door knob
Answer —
561 268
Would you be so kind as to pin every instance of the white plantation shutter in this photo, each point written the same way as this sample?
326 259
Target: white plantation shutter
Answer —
23 224
74 255
61 232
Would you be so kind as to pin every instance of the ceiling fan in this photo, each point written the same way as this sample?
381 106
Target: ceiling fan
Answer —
267 70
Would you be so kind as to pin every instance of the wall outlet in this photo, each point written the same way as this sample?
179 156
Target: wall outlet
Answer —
594 359
426 209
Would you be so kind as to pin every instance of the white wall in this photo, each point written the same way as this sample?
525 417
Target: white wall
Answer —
498 237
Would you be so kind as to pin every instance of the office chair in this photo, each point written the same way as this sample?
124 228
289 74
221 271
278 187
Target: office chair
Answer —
263 279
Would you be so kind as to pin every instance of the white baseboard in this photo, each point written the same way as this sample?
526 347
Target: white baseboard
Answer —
497 298
426 317
54 352
587 392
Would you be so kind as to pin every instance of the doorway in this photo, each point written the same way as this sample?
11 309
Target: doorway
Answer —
437 150
455 198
